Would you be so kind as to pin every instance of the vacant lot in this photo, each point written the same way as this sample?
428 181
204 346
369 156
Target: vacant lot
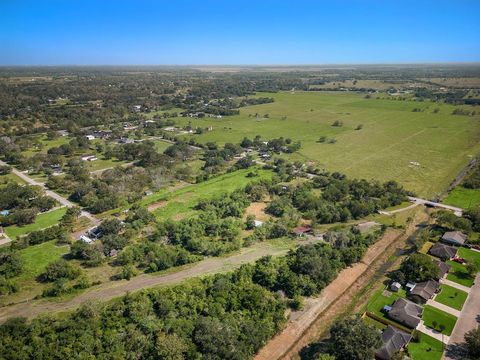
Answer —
439 144
41 222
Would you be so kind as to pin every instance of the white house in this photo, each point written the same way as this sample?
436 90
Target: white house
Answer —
86 239
90 137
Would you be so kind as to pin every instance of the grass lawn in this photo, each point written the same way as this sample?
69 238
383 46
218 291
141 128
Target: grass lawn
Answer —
181 202
378 301
463 198
47 144
470 255
427 349
41 222
102 163
391 138
451 297
459 274
431 314
4 179
377 324
160 145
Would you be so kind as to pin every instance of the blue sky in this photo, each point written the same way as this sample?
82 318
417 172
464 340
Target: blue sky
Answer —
84 32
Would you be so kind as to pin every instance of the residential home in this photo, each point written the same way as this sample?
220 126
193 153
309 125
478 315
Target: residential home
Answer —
258 223
90 137
442 251
424 291
443 269
86 239
406 313
454 238
394 340
302 230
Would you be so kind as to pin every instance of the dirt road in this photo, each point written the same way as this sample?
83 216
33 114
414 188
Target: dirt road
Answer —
110 290
320 312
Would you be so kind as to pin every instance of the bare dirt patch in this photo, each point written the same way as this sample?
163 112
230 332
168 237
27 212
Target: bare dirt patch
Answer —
157 205
257 209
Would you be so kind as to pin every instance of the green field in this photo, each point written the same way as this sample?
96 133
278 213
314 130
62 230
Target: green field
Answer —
451 297
463 198
182 201
427 348
459 274
431 314
391 138
41 222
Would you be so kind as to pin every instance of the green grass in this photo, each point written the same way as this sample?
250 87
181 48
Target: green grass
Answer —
182 201
463 198
4 179
378 301
431 314
459 274
470 255
451 296
427 348
377 324
37 257
392 135
102 163
160 145
47 144
41 222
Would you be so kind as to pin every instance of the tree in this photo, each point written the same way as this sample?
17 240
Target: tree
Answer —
11 264
472 339
353 339
419 267
60 269
471 268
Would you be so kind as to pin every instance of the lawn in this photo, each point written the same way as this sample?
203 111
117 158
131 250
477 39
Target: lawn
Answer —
459 274
470 255
378 301
41 222
463 198
427 348
377 324
391 138
451 297
47 144
4 179
431 314
181 202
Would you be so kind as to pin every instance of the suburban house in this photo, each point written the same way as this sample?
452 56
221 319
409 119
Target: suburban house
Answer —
442 251
406 312
454 238
443 269
302 230
394 340
125 140
424 291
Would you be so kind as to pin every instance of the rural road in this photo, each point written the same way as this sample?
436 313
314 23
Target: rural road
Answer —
456 210
50 193
111 290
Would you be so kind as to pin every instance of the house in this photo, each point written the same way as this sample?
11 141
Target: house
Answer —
424 291
86 239
454 238
394 340
302 230
90 137
89 158
443 268
395 286
137 108
62 132
258 223
406 312
95 232
442 251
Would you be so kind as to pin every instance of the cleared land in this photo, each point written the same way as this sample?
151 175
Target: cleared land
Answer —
392 136
42 221
463 198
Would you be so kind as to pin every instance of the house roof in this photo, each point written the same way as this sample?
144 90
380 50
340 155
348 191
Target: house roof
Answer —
443 268
425 289
406 312
393 340
443 251
302 229
455 237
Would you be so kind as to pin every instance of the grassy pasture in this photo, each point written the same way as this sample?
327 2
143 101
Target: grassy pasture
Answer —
463 198
42 221
391 138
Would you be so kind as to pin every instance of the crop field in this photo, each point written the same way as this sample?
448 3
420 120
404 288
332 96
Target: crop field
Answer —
181 202
423 150
42 221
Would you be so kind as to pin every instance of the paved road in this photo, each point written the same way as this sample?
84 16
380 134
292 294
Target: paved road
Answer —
458 211
51 193
468 320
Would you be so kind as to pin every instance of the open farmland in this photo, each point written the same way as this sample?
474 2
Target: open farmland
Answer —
392 138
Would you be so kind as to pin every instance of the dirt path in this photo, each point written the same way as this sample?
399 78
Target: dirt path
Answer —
321 311
110 290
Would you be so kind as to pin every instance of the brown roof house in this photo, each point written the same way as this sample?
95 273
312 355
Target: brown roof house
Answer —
454 238
442 251
302 230
443 268
424 291
393 340
406 312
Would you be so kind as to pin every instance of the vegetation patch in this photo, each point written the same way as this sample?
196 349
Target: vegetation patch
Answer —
42 221
463 198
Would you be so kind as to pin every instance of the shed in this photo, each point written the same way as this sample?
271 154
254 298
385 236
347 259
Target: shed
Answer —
395 286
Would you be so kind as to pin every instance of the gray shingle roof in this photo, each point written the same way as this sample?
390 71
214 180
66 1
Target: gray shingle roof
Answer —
406 312
425 289
443 251
454 237
393 340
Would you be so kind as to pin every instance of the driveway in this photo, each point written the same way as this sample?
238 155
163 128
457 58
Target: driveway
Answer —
456 285
469 319
432 333
443 307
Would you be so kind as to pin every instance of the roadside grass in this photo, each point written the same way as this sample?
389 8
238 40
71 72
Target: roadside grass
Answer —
378 301
391 138
431 314
160 145
182 201
451 297
42 221
459 274
427 348
463 198
4 179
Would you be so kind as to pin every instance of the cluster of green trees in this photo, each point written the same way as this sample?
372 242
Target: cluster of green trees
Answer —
276 145
472 180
